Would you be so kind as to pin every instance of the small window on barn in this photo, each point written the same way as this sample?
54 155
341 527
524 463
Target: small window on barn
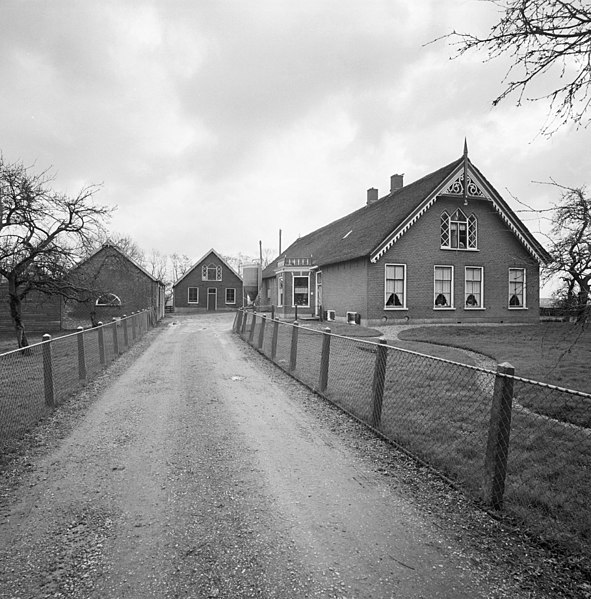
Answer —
108 299
230 296
193 297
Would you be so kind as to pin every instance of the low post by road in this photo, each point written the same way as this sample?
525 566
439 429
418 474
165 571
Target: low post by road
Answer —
253 324
262 331
379 380
244 319
497 447
272 311
125 331
274 339
81 355
115 337
101 343
133 326
48 372
293 354
324 361
238 321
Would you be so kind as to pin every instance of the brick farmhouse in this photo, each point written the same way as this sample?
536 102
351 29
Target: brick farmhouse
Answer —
211 284
445 248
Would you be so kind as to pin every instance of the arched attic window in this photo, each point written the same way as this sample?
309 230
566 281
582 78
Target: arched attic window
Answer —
458 231
108 299
211 272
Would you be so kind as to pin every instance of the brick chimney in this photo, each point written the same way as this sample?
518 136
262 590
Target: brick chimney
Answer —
372 195
396 182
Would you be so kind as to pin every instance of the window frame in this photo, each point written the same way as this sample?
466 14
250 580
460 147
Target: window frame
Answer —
189 295
523 305
446 229
114 303
466 294
451 305
233 289
205 272
404 284
293 289
280 290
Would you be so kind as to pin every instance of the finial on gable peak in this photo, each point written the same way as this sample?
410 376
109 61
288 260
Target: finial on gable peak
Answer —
465 147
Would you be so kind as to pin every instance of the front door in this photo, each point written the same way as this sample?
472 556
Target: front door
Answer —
212 299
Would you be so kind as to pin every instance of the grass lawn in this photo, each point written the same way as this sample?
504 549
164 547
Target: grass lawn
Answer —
557 353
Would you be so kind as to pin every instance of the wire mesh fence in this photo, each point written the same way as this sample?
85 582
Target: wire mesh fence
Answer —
35 379
510 442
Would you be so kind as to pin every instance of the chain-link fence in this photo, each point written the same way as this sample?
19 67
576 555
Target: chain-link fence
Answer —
35 379
512 443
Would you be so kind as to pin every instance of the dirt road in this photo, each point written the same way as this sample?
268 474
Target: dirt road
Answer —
200 471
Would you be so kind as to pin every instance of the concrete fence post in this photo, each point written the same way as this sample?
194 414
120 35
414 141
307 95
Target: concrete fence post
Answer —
101 343
253 324
379 380
48 372
115 337
133 326
262 332
125 331
243 329
239 316
274 339
272 311
293 354
324 361
81 355
497 447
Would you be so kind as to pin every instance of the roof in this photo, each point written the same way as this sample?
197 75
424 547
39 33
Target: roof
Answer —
108 245
371 230
198 263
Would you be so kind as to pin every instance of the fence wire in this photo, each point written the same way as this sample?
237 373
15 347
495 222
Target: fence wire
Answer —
35 379
510 442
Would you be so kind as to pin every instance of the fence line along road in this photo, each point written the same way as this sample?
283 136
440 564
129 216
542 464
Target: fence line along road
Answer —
35 379
517 445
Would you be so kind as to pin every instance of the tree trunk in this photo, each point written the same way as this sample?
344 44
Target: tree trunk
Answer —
16 314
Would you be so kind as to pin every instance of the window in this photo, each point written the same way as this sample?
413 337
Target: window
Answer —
395 287
473 288
443 287
211 272
459 232
517 288
108 299
301 291
280 290
230 296
193 297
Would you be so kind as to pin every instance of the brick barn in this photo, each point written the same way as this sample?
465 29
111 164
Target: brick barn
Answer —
210 285
445 248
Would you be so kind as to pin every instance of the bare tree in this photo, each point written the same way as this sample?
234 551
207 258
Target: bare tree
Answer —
123 242
570 247
157 265
42 235
541 38
179 265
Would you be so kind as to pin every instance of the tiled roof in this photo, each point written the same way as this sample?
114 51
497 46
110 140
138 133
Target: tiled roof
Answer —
359 233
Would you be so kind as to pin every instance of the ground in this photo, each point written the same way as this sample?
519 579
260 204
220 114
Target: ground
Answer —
194 468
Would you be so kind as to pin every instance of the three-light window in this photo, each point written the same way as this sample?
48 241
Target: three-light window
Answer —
458 231
211 272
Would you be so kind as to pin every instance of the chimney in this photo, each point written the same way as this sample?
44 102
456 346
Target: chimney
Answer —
372 195
396 182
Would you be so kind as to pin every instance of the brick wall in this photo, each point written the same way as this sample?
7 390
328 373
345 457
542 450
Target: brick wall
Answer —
344 288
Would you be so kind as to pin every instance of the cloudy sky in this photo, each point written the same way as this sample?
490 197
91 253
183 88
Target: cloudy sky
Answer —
216 123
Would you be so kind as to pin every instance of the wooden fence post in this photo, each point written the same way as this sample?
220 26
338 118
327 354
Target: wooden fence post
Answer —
101 343
262 332
293 355
253 324
379 380
48 372
81 355
133 326
125 331
497 447
324 361
274 339
272 311
115 337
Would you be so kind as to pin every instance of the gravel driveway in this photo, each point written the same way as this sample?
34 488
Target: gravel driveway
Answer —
196 469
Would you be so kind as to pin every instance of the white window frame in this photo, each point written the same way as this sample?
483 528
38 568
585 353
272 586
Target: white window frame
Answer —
115 300
466 293
226 295
386 292
293 286
189 295
205 272
451 293
446 226
280 290
523 305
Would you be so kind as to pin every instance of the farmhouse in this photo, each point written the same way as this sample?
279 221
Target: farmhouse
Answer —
210 285
116 285
445 248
